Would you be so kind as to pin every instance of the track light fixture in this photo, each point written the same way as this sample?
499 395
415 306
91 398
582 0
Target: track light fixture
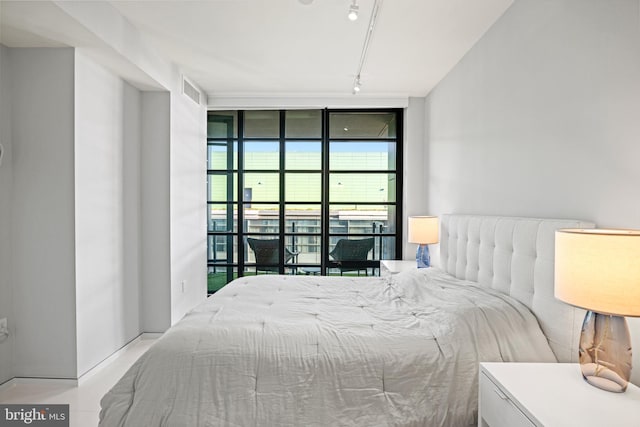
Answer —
356 84
353 10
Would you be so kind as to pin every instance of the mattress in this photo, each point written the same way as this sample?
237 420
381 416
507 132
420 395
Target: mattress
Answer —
275 350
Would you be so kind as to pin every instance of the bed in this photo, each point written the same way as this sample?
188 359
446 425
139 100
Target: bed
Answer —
401 350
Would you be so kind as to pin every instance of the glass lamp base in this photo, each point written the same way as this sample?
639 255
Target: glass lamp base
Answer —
605 351
422 256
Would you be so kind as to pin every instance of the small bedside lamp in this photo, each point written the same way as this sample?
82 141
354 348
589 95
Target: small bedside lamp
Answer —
424 231
599 270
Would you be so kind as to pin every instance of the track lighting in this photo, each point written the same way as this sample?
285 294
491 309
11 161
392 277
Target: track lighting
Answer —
353 11
365 47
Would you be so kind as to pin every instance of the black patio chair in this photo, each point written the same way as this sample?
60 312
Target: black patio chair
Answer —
350 254
267 252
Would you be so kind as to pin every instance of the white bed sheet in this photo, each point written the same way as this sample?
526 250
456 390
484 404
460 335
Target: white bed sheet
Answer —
320 351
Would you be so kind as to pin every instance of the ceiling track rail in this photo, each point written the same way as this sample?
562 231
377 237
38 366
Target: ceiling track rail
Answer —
365 47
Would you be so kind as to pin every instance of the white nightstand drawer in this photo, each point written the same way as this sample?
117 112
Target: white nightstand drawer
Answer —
551 395
496 409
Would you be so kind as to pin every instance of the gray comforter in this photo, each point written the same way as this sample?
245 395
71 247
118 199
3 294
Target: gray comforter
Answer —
321 351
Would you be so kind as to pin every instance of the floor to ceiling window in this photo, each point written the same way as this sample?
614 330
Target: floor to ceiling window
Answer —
302 192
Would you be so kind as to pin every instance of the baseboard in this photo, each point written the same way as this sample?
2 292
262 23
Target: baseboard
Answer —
97 368
73 382
70 382
151 335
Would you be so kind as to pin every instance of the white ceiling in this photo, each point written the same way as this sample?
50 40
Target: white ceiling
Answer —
284 47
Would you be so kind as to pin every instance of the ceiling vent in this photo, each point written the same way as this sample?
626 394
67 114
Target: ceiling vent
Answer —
190 90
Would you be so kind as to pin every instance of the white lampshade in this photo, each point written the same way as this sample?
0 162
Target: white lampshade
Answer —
423 229
599 270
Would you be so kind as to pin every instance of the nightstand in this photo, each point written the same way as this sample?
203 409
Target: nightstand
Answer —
388 266
550 395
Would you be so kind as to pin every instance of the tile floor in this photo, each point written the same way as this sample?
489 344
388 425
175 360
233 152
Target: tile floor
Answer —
84 399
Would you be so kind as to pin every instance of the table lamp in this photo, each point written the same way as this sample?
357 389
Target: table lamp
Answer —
424 231
599 270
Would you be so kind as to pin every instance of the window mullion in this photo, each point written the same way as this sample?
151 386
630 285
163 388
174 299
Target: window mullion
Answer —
324 199
281 202
240 196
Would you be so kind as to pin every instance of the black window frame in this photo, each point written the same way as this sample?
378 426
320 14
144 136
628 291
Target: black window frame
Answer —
325 235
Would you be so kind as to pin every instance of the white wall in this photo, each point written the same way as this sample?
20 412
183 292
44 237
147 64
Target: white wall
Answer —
173 207
135 189
107 311
132 225
155 299
6 180
172 233
541 118
43 233
415 170
188 204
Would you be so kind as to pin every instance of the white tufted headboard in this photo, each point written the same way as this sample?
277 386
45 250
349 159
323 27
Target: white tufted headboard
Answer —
514 256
